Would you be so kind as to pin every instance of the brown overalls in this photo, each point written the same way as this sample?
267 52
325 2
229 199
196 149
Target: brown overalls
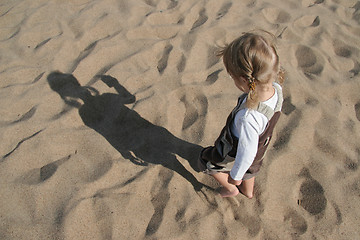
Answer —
221 156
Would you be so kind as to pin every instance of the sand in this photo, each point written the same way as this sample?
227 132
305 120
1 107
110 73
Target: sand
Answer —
105 105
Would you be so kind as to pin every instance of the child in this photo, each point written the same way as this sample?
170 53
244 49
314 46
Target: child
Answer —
234 160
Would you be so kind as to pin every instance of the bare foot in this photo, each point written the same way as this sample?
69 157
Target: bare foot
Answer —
250 196
227 193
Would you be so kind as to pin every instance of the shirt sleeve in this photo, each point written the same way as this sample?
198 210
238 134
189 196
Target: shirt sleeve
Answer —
248 127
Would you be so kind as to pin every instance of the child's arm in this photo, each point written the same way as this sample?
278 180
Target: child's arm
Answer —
248 130
126 96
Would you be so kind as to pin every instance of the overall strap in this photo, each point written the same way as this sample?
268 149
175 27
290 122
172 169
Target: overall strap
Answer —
280 98
268 111
241 103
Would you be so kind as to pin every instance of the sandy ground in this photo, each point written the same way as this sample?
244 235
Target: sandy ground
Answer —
105 105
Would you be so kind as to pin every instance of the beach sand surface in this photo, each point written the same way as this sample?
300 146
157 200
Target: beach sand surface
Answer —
105 105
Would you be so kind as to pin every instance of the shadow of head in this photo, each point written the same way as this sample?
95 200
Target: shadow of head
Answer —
68 87
64 84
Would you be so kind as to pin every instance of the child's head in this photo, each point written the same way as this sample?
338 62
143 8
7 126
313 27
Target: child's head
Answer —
252 57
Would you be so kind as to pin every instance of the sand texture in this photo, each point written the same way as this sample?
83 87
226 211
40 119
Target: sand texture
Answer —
105 105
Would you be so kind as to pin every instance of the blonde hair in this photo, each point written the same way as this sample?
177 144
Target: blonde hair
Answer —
253 56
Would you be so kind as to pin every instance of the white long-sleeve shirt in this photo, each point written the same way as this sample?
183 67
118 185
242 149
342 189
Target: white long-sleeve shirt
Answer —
247 126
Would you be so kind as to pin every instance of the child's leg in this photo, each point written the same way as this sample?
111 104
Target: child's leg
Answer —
247 187
228 190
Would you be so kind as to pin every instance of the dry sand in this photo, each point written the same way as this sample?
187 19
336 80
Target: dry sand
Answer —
105 105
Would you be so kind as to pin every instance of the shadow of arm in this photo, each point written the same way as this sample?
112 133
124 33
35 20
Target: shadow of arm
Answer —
113 82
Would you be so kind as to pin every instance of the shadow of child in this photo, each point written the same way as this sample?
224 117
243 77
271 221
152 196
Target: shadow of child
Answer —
134 137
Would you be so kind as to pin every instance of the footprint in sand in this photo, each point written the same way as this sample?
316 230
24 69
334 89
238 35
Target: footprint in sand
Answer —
338 213
310 3
172 4
251 222
341 49
201 19
212 58
196 109
288 107
162 63
307 21
311 195
286 133
276 15
311 101
150 3
298 222
357 110
159 198
351 164
309 61
323 144
344 56
356 69
181 64
188 42
190 113
213 77
223 10
180 218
